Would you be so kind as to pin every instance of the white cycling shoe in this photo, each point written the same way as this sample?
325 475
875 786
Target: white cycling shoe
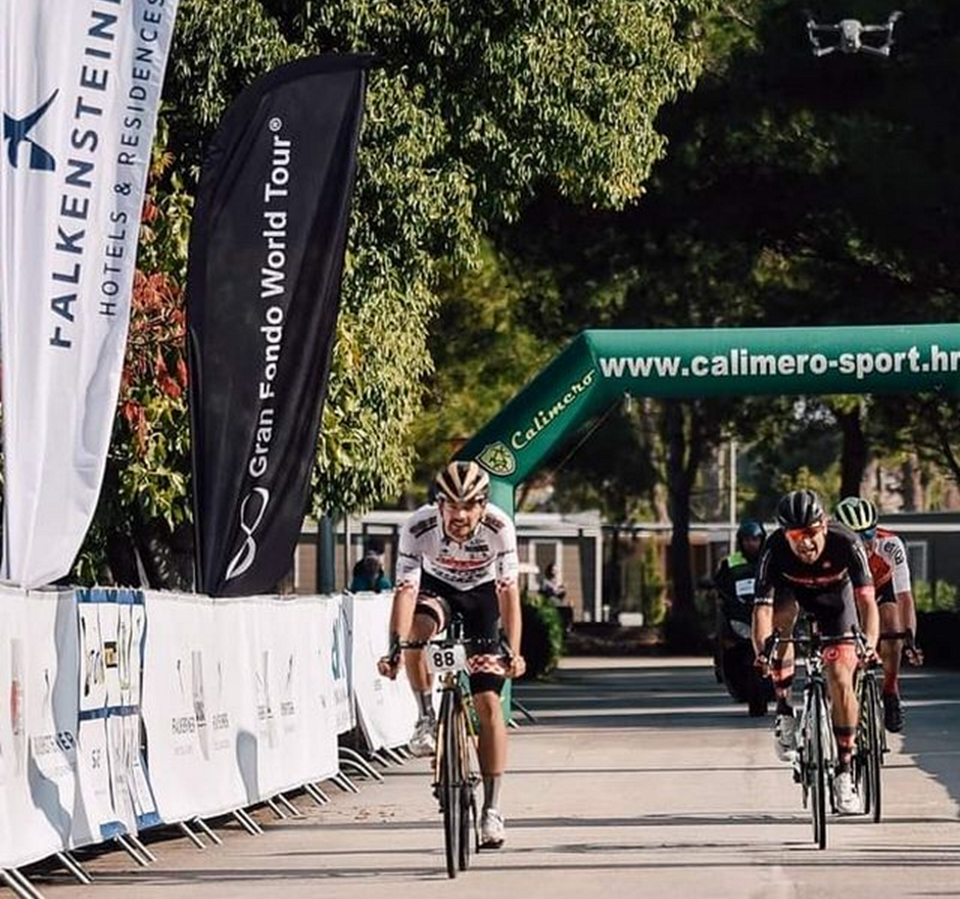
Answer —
423 743
491 829
845 795
785 737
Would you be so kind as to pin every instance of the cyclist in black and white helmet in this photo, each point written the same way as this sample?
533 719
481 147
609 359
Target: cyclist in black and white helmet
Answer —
459 555
891 577
819 566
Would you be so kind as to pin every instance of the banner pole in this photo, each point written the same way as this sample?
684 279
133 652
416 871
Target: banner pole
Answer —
326 554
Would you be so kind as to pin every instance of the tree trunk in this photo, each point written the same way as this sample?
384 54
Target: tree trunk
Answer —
683 459
853 458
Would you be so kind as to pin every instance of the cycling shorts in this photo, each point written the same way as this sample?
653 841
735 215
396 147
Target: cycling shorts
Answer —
835 610
480 610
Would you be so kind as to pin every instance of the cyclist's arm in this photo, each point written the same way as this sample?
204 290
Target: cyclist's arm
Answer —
869 613
508 595
762 620
762 625
901 584
401 614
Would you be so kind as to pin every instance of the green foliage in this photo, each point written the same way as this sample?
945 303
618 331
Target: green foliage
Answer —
147 479
481 353
653 602
473 109
939 597
542 637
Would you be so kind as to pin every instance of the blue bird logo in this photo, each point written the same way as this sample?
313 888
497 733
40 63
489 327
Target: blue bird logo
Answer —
17 133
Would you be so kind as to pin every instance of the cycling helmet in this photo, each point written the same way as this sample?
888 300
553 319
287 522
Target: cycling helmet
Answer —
462 482
857 514
800 509
750 527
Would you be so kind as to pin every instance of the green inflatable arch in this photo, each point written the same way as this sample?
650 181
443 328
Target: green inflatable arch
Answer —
598 368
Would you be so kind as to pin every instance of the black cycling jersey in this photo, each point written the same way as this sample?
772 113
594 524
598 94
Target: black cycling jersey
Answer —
823 588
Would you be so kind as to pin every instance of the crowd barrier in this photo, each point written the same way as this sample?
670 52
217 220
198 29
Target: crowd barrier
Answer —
131 709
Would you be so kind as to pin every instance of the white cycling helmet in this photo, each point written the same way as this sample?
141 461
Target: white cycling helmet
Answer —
462 482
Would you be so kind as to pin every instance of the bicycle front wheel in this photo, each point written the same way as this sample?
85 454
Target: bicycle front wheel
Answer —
816 762
468 802
873 750
449 782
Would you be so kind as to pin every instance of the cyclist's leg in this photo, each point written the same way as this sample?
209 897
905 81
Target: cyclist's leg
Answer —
890 651
481 615
430 616
785 610
840 663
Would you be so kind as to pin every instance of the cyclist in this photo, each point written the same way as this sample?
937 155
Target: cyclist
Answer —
733 652
821 567
891 578
459 555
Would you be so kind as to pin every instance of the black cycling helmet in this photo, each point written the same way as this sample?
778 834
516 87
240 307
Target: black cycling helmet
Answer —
462 482
800 509
750 527
857 514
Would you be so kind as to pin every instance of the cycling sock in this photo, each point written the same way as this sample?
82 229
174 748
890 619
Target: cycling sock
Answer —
425 701
844 737
890 684
491 791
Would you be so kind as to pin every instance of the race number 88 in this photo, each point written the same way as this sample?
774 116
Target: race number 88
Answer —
444 658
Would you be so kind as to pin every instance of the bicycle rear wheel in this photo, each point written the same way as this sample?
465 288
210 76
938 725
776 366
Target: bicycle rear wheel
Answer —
816 763
449 782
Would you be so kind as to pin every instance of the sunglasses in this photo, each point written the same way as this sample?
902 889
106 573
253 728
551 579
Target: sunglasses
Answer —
795 535
462 507
868 534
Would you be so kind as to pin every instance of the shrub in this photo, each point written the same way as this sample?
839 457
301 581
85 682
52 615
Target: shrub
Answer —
542 641
940 597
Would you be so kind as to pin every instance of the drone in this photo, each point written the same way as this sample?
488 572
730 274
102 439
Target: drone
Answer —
853 36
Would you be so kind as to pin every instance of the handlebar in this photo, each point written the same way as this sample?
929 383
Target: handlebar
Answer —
814 642
500 643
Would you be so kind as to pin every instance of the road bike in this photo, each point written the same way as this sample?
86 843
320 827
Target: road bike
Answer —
816 758
871 742
455 765
871 745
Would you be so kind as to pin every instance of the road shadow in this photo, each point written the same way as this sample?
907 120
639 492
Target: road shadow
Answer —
662 694
931 734
651 697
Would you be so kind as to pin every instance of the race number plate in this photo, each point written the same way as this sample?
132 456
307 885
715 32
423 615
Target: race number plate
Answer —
441 659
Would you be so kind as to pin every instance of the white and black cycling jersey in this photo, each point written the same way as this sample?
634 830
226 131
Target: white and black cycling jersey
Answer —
490 554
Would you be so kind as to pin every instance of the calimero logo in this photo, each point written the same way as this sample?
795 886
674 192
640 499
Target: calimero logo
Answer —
543 417
497 459
17 132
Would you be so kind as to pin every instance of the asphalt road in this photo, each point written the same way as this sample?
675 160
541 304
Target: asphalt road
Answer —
639 775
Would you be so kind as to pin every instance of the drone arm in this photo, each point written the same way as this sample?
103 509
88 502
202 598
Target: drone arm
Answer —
876 51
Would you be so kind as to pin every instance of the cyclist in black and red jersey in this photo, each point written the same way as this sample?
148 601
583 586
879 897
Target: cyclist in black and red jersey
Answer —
459 555
821 567
891 578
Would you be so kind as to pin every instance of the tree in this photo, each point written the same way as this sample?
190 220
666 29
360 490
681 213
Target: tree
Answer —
798 191
474 108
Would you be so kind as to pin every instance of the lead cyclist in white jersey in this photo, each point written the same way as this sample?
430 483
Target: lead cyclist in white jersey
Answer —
460 555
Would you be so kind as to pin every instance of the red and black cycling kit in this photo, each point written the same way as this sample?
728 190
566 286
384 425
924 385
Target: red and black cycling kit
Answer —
823 588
